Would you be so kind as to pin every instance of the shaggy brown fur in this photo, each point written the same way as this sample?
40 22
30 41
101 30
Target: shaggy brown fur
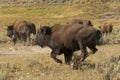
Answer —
67 39
106 28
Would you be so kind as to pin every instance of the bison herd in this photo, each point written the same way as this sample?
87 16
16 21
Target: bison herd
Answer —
61 38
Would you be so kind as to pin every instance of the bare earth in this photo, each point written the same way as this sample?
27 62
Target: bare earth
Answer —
23 50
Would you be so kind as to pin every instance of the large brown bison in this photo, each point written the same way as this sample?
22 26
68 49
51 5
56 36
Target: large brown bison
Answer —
81 21
21 30
106 28
68 38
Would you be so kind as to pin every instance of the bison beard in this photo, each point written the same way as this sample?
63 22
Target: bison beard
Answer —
68 38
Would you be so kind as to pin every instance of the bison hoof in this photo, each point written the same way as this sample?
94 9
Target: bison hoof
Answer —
58 61
82 59
68 63
74 66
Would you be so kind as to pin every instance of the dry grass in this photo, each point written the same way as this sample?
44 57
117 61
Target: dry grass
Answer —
38 66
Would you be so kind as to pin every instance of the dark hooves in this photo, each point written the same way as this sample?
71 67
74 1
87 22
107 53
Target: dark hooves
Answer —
59 61
75 66
76 63
68 63
82 59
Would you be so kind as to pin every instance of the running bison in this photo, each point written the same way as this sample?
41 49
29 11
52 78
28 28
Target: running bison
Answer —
106 28
80 21
65 39
21 30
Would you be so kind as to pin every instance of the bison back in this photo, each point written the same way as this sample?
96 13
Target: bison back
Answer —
65 35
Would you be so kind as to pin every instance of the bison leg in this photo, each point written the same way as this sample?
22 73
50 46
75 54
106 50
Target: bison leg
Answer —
92 48
82 57
53 55
29 41
83 51
14 39
68 57
19 37
28 37
24 38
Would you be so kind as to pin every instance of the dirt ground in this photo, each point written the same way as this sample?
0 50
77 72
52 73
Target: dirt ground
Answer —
104 64
14 50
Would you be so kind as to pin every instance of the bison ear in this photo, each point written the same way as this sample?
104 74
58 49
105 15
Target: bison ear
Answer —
45 30
90 23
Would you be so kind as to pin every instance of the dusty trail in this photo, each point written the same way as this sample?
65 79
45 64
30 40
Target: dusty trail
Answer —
23 50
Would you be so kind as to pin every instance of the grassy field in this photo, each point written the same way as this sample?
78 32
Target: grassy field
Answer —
39 65
47 14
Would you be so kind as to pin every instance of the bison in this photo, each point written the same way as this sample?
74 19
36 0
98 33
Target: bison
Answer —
21 30
106 28
80 21
65 39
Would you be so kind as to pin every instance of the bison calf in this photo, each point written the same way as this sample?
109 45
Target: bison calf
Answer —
106 28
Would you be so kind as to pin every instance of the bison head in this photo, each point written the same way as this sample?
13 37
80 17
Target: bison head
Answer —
43 36
95 37
10 31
